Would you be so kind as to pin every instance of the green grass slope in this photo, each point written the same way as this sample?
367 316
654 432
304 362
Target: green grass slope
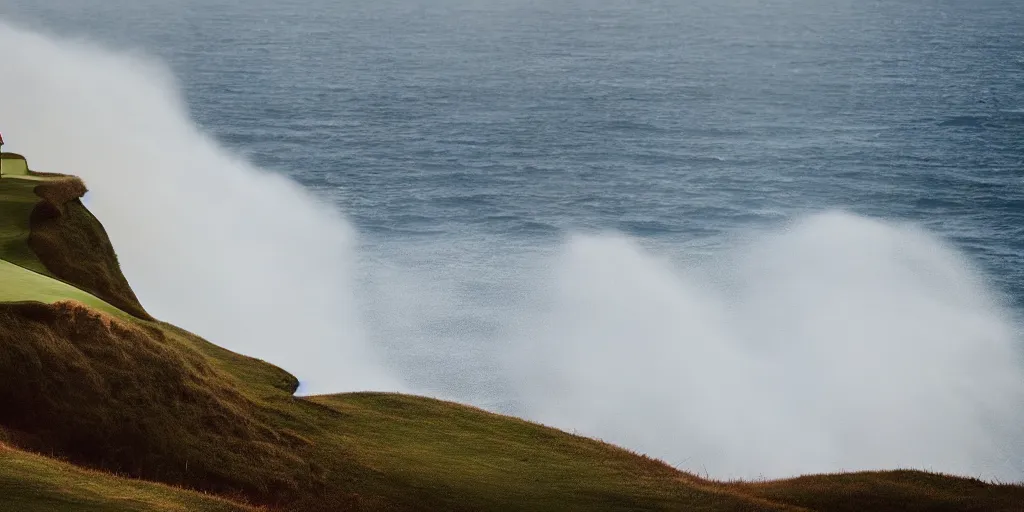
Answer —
86 381
20 284
33 483
133 399
17 200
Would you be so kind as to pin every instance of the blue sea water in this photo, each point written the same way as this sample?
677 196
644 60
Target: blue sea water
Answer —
456 134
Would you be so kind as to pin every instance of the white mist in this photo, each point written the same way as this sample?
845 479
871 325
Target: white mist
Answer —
209 242
840 343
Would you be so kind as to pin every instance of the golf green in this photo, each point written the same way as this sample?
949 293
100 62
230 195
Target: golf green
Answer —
13 167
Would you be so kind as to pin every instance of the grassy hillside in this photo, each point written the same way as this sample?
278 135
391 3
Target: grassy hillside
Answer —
33 483
907 491
100 385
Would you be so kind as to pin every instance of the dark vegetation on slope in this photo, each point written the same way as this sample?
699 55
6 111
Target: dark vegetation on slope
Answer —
60 191
145 399
126 398
73 245
151 401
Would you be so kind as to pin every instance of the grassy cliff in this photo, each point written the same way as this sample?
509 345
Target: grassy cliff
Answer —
104 408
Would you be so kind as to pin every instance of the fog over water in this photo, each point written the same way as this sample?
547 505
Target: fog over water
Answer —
752 239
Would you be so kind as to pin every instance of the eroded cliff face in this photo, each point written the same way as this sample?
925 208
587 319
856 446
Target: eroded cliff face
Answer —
72 244
116 390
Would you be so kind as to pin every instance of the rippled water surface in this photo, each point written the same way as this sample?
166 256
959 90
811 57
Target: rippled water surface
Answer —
460 135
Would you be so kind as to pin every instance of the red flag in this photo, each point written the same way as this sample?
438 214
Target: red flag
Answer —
1 139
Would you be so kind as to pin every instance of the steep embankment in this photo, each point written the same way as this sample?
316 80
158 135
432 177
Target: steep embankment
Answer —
44 227
73 245
86 376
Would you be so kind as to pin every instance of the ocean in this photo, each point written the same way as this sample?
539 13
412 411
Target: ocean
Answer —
619 182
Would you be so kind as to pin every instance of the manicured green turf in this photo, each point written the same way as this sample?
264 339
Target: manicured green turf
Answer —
32 483
13 167
17 200
18 284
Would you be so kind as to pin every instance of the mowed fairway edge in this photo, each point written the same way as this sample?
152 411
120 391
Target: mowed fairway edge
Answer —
18 284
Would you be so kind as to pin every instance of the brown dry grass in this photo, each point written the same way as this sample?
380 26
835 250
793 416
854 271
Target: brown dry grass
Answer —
60 191
126 398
